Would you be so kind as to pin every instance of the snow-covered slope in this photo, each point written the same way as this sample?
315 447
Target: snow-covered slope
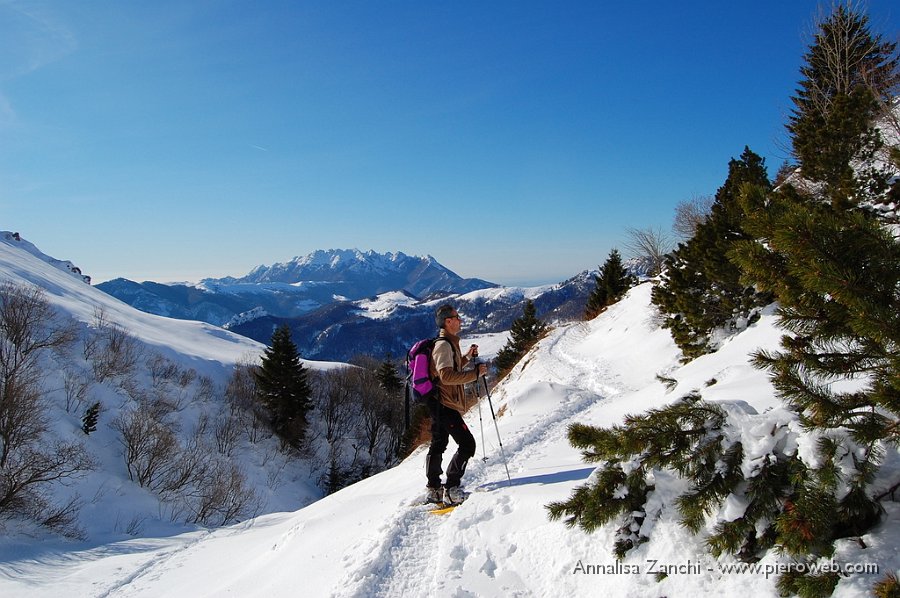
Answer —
181 369
373 539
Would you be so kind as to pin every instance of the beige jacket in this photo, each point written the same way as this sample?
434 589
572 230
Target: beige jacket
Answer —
448 361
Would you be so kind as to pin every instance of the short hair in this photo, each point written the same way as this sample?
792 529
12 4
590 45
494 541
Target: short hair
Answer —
443 312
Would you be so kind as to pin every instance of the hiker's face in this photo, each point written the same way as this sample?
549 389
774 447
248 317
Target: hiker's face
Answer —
453 324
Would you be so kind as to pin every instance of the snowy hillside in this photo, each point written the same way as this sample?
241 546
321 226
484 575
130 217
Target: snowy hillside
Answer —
373 539
178 371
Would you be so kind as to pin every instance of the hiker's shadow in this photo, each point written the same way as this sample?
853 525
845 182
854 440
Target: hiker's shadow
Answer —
547 478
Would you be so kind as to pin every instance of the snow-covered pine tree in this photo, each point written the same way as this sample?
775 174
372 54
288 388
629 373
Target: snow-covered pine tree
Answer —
283 387
835 272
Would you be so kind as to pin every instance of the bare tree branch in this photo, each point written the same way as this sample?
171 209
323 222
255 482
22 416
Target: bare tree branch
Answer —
649 245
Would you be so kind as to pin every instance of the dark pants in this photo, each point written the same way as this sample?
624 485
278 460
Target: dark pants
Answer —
446 422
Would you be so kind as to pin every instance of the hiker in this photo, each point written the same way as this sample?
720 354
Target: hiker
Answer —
448 406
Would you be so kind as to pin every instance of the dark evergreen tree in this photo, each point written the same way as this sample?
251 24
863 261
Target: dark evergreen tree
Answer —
404 417
526 331
611 284
90 418
700 290
848 76
283 387
388 378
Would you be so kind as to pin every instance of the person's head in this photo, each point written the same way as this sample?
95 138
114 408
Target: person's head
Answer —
446 317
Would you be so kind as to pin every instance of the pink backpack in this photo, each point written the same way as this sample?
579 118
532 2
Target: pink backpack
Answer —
418 367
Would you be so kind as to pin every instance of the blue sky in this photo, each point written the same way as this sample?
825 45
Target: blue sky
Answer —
513 141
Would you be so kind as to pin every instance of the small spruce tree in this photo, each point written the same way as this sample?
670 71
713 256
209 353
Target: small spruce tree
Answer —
388 378
849 74
526 331
283 387
413 414
611 284
90 418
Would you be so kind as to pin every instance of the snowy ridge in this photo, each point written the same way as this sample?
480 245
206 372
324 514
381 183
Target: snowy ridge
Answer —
373 539
22 263
15 240
243 318
383 305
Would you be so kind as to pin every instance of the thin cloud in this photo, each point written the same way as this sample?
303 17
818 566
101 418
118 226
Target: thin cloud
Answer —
31 37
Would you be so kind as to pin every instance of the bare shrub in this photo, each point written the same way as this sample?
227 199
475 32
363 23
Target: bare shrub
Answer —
29 460
375 411
187 377
206 389
149 447
28 327
167 399
28 472
226 433
111 350
188 469
133 527
240 393
336 395
649 245
23 418
161 369
171 385
63 518
194 484
223 496
75 387
691 213
396 429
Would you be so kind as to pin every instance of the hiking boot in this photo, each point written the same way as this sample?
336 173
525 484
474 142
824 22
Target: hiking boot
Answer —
434 495
454 495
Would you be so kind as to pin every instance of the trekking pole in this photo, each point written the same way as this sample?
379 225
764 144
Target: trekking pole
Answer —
480 420
496 427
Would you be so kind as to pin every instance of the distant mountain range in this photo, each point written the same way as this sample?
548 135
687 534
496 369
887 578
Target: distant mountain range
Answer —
294 288
387 324
340 303
362 274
